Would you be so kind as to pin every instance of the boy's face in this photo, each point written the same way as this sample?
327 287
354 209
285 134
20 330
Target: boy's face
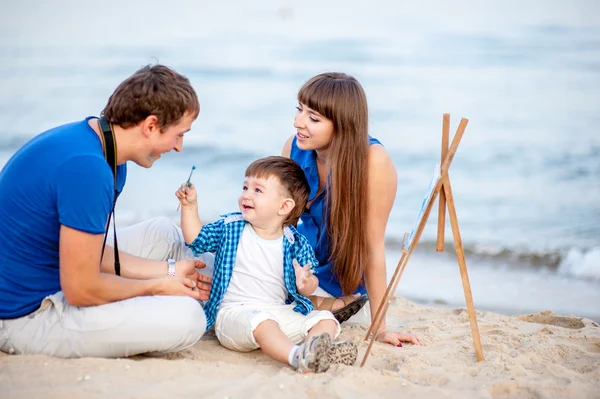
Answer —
261 200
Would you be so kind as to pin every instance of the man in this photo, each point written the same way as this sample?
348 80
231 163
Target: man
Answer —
59 295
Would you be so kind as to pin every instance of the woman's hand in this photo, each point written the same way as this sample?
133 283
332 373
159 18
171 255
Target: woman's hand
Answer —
396 338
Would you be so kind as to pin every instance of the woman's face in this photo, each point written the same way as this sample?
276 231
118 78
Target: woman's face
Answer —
313 130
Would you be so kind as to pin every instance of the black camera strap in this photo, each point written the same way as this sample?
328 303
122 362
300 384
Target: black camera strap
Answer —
109 147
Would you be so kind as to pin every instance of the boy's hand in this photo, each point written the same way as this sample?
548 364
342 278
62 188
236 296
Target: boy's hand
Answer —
187 194
303 274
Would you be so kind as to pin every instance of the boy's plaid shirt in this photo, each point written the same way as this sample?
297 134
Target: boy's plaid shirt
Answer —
223 237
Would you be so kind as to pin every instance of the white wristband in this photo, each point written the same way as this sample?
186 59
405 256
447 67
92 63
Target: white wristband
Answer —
171 267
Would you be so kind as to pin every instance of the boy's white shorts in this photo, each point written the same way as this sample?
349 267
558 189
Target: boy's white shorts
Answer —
235 325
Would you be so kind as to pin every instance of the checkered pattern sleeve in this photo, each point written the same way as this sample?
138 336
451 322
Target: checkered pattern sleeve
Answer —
305 253
209 238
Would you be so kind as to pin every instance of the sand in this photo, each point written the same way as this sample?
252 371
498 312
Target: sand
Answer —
542 355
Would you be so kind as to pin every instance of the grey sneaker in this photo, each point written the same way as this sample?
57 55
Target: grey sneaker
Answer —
314 354
344 352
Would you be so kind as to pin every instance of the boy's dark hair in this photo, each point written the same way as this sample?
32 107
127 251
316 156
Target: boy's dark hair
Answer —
152 90
292 178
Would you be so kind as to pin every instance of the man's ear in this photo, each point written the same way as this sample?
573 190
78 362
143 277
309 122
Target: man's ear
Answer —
286 207
150 125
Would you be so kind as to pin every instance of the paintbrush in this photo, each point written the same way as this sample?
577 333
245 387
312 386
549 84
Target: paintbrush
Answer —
187 184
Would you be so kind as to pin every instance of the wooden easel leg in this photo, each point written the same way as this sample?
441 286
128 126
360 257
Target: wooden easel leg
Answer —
391 289
442 202
385 302
384 305
378 316
462 264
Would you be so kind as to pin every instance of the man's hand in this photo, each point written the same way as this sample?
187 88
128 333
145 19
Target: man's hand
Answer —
177 286
187 268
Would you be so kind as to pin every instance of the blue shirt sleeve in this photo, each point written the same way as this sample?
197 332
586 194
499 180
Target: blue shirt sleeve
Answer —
84 193
209 238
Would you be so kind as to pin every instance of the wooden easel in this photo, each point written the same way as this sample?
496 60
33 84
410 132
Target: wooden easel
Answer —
444 189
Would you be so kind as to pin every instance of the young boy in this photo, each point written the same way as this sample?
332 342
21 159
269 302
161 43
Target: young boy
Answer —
258 297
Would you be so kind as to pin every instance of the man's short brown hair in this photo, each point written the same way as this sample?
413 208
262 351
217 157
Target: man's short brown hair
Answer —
152 90
290 175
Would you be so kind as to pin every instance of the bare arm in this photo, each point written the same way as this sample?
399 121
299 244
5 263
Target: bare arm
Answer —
135 267
190 221
132 266
84 284
382 186
287 147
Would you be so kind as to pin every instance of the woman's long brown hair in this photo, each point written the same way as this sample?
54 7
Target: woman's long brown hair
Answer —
341 99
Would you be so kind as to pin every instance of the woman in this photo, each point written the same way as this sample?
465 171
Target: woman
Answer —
353 186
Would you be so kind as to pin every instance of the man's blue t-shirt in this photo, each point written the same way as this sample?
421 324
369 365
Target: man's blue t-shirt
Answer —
60 177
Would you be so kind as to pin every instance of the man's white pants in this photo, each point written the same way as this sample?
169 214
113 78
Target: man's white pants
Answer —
124 328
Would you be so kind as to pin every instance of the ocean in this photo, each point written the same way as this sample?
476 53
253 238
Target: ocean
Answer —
526 74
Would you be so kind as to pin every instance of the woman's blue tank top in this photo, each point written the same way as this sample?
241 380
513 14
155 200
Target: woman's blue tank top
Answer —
314 223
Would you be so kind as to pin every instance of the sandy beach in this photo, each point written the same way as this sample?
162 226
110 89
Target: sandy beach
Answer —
541 355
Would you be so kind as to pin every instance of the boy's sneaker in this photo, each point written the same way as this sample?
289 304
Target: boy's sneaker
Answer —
344 352
314 355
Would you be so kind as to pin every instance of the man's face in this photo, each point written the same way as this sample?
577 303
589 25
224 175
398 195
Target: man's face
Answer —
159 143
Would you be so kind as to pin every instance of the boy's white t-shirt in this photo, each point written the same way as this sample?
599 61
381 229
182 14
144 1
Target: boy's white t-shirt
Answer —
257 276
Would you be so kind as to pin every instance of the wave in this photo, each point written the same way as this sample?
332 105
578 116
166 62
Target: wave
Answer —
581 263
578 263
